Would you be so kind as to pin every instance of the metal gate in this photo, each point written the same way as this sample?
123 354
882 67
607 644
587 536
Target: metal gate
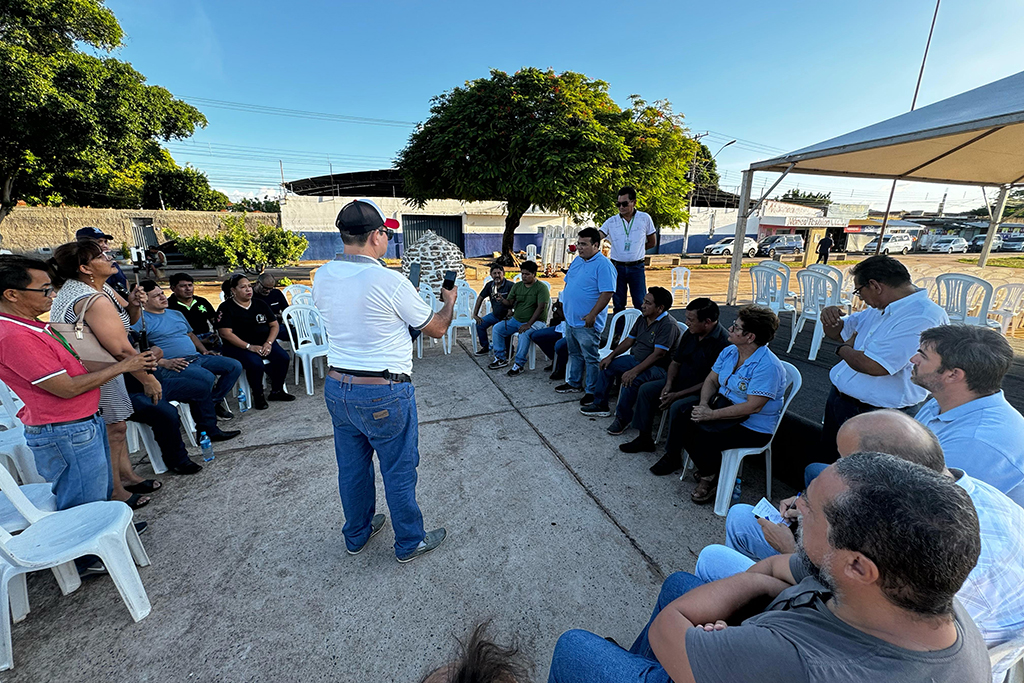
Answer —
448 227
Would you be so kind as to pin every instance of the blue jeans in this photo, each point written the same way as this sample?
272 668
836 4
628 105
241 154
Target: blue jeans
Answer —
75 459
381 418
481 329
627 395
633 277
203 384
502 332
525 339
718 562
583 345
254 368
582 657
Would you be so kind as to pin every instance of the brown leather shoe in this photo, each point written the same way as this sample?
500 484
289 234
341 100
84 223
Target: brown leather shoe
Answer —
705 491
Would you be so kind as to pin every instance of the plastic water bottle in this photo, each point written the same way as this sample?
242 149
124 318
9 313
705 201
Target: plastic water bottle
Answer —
243 401
207 446
737 490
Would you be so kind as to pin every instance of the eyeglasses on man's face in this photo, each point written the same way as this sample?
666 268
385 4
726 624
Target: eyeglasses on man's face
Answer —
856 291
45 290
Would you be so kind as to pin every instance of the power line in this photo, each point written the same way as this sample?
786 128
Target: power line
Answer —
297 113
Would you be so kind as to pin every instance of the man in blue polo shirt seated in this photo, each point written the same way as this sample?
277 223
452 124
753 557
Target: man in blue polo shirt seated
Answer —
188 371
589 286
651 343
982 434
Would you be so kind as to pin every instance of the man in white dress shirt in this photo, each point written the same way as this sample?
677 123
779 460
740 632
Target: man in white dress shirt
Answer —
876 347
963 367
631 234
367 311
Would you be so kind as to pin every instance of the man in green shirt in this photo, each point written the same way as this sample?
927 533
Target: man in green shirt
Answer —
529 302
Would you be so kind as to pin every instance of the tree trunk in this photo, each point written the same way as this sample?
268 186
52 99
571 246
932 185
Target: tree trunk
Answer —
6 201
516 208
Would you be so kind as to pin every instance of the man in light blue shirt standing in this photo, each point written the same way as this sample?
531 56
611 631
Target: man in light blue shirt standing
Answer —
982 434
589 286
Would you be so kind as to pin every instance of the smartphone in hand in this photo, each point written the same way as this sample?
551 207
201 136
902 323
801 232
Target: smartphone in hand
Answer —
449 279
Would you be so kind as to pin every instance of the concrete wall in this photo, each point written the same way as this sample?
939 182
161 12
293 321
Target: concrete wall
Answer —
28 228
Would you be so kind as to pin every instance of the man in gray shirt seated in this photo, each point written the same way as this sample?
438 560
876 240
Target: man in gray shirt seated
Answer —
885 546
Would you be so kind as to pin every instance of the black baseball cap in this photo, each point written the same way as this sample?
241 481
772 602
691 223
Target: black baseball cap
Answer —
92 234
362 216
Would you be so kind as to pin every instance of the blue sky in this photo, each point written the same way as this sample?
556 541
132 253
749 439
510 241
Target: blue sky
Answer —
778 77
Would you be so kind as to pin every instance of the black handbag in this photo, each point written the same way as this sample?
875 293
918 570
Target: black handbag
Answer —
719 401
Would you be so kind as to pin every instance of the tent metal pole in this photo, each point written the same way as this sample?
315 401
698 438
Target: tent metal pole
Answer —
993 226
741 233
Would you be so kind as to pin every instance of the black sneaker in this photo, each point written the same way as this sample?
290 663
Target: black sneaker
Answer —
616 427
595 410
515 370
260 402
223 412
668 464
557 376
483 352
587 399
641 444
497 364
140 527
567 389
280 396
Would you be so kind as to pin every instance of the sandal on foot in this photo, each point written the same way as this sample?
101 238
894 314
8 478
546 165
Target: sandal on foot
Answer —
705 491
136 501
147 486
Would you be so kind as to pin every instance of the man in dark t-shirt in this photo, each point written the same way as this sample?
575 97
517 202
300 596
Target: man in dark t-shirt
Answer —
499 311
265 289
199 312
870 595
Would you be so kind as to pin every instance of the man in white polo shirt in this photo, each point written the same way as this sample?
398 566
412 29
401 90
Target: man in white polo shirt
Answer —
631 234
877 344
367 312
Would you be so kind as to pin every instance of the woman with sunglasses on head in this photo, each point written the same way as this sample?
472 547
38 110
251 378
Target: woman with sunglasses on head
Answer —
249 330
81 270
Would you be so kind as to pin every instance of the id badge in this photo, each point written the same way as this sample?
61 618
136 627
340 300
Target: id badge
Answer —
627 246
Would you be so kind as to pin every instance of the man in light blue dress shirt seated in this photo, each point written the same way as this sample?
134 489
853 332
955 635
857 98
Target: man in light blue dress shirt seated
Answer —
982 434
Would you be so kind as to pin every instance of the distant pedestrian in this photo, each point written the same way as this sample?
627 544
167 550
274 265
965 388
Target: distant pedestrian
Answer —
824 247
631 234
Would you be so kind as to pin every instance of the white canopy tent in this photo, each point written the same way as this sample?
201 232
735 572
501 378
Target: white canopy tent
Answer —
974 138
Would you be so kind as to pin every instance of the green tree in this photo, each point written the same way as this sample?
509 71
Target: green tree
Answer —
236 246
68 115
556 141
183 189
820 199
265 205
705 170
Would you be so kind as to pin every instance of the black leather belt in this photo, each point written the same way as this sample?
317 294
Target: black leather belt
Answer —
627 263
69 422
384 374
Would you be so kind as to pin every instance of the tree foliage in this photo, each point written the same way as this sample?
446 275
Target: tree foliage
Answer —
705 170
236 246
184 189
795 196
555 141
265 205
75 122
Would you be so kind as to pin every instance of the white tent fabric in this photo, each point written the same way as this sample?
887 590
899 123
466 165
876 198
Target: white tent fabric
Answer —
974 138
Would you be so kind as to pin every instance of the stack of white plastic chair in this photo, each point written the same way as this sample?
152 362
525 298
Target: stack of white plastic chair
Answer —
12 438
427 294
840 299
787 275
966 299
291 290
301 321
732 458
771 287
628 316
1007 302
533 347
53 540
680 285
818 290
531 252
462 316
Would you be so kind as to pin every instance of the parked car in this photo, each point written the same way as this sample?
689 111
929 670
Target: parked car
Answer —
949 245
979 241
1013 242
780 244
724 247
897 242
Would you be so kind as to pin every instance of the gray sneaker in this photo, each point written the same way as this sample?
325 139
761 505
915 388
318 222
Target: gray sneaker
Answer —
376 524
616 427
430 541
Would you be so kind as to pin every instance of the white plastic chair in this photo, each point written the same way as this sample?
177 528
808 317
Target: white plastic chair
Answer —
629 316
301 323
818 290
959 294
140 436
13 446
187 423
243 385
771 287
53 540
680 284
427 294
531 252
787 275
291 290
1007 302
926 283
733 457
838 299
514 340
303 299
462 316
1008 657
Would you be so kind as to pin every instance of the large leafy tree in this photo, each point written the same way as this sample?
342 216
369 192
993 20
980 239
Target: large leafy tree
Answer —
73 121
185 189
556 141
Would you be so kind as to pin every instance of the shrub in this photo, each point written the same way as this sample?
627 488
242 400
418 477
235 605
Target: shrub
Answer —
236 247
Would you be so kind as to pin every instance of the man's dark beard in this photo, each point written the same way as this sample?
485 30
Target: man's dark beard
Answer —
814 570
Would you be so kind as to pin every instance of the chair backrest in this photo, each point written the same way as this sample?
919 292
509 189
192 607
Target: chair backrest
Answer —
303 299
817 291
19 500
464 304
680 277
628 316
768 285
926 283
302 322
829 270
1008 297
221 292
292 290
777 265
958 293
427 294
794 380
531 252
10 404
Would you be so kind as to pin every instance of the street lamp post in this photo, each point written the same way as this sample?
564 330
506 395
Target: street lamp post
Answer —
689 201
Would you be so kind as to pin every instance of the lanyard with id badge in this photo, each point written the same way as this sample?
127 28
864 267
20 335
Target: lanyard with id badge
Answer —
626 227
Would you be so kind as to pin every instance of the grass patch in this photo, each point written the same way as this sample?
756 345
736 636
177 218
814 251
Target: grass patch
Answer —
1005 262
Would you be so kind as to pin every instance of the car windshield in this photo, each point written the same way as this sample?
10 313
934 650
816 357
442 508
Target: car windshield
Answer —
727 241
1014 238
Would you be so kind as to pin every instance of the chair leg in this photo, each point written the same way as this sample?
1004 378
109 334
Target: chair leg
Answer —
798 326
768 471
185 413
726 482
819 334
138 551
67 577
117 559
661 427
17 593
307 370
533 356
6 646
419 346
